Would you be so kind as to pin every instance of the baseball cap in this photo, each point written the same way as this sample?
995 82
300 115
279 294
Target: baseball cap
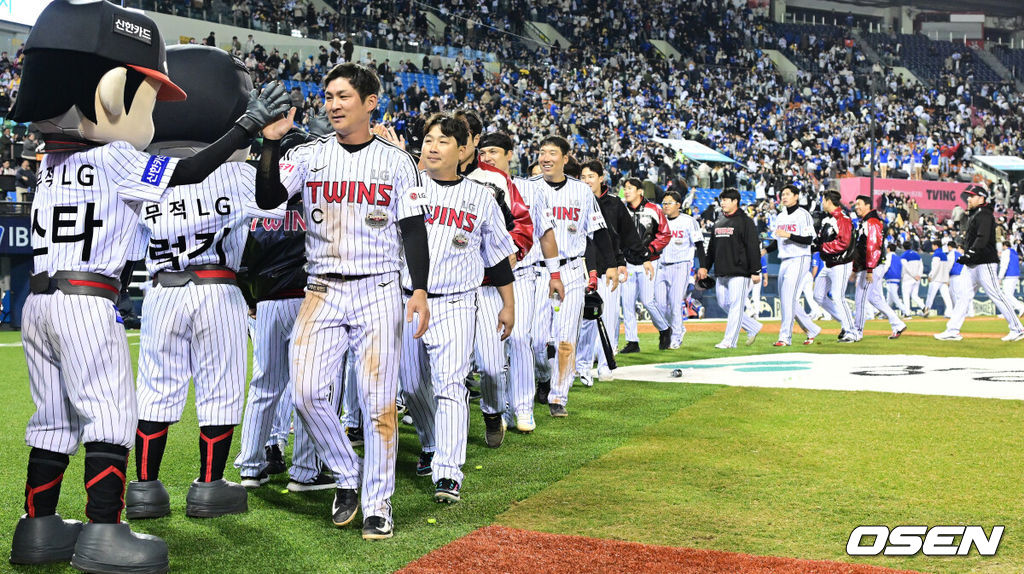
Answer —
976 189
107 31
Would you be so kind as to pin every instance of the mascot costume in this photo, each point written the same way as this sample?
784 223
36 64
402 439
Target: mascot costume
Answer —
92 75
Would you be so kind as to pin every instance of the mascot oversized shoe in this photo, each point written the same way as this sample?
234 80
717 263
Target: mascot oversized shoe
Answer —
114 548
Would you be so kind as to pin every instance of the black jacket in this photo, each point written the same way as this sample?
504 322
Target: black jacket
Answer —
981 237
620 228
735 246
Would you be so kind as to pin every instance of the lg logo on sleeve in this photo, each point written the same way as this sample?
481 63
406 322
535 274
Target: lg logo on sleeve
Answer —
933 541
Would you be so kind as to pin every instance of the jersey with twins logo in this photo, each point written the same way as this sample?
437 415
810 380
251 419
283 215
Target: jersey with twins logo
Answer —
575 215
465 233
85 215
353 198
206 223
537 203
800 223
686 233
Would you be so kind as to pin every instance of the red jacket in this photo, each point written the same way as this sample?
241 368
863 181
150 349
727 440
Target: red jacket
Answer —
503 188
835 237
870 243
652 226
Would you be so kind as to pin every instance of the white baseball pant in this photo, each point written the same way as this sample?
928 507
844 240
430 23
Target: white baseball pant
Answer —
521 384
1009 285
892 297
638 285
365 315
433 373
731 293
792 273
911 294
961 291
985 275
753 305
564 327
670 287
807 290
872 293
489 351
80 373
590 347
830 293
942 289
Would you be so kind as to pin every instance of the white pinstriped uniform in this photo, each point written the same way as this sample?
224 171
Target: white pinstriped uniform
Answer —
195 331
85 217
575 216
986 276
793 271
465 233
353 199
674 272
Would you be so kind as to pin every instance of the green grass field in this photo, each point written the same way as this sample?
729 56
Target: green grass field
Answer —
763 471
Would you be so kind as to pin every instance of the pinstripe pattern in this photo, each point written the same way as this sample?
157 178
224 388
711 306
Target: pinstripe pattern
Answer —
670 286
830 293
872 294
489 351
564 327
986 276
574 214
590 347
639 288
280 430
540 213
80 372
792 273
731 294
521 382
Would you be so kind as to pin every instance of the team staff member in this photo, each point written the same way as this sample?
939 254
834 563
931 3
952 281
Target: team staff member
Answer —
364 207
794 232
910 281
467 238
1009 275
835 243
676 267
981 264
496 149
893 266
652 227
734 256
938 280
575 217
93 182
624 238
866 258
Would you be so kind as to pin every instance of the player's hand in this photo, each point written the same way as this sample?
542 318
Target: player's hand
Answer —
611 276
388 133
506 320
764 251
702 273
649 270
756 278
782 234
623 273
417 305
555 285
869 276
264 108
591 281
513 261
278 129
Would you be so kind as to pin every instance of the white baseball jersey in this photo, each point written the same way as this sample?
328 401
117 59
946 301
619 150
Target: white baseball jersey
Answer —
685 235
465 233
204 224
575 214
86 210
540 213
797 223
353 198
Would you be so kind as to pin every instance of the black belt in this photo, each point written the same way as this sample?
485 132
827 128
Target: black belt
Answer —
561 262
341 277
76 283
408 293
196 274
675 263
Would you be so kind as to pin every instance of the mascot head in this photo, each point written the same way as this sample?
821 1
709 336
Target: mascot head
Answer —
92 73
218 87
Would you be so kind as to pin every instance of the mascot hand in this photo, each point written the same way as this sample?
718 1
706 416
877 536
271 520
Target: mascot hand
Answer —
264 108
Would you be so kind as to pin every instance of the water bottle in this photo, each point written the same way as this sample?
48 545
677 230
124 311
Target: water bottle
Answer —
676 373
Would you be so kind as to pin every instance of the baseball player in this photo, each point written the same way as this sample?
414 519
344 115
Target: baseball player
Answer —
754 292
496 149
674 270
866 258
793 233
193 317
836 244
938 280
1009 275
733 254
961 288
910 282
893 276
467 238
653 230
807 290
575 216
92 93
981 263
363 207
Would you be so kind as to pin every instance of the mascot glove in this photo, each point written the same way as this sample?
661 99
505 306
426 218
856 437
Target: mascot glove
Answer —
263 108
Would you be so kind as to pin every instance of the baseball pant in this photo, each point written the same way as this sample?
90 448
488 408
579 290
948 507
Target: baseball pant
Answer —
670 293
80 373
961 291
564 328
639 285
807 290
351 416
433 373
985 275
830 293
753 306
792 273
893 299
872 293
911 293
366 316
489 354
521 384
590 347
942 289
731 293
198 332
1009 285
269 405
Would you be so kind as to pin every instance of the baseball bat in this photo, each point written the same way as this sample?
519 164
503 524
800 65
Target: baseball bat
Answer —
609 352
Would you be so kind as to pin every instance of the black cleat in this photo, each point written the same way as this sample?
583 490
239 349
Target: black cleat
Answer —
322 481
447 490
257 480
346 503
275 460
558 410
664 339
842 333
355 435
495 429
423 466
543 388
631 347
377 528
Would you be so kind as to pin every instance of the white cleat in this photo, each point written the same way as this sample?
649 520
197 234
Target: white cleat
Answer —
587 380
605 374
1014 336
724 346
949 335
752 337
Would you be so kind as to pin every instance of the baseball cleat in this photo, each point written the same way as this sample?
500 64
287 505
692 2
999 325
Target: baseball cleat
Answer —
377 528
780 344
525 423
321 481
674 346
447 490
146 499
631 347
217 498
543 388
752 337
275 459
605 374
896 334
423 465
1014 336
809 341
557 410
949 335
664 339
346 503
723 345
494 433
115 548
587 379
256 481
848 337
44 539
355 435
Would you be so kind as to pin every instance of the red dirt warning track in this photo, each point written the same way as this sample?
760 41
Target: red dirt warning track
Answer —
496 549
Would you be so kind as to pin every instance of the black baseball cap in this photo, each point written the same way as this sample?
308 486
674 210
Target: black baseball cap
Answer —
976 189
108 31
